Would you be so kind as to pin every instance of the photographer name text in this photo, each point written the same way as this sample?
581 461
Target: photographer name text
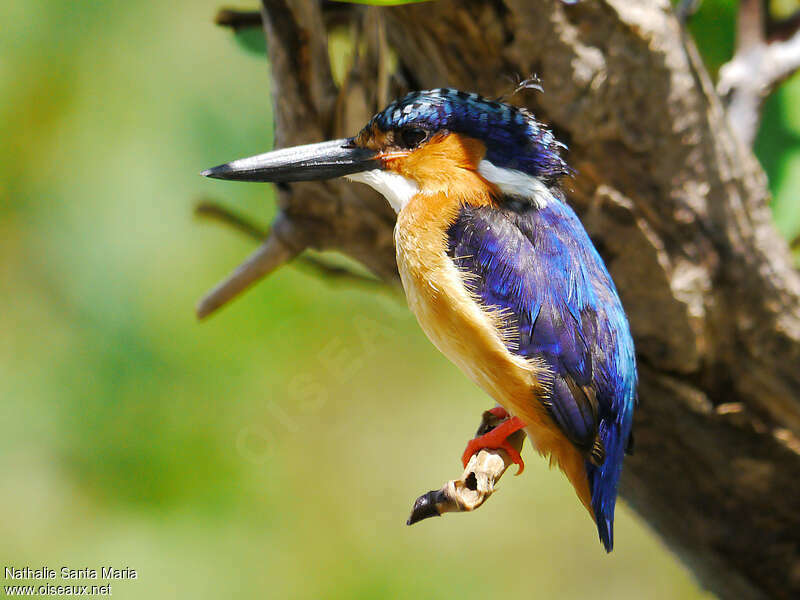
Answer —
42 573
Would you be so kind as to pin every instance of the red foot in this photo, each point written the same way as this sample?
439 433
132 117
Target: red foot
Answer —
499 412
497 439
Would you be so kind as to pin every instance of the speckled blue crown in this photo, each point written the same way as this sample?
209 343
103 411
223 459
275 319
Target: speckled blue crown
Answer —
514 138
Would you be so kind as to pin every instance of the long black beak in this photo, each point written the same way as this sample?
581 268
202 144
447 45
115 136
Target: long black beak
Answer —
325 160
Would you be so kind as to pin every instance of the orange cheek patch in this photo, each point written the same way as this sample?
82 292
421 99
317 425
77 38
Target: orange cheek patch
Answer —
445 153
448 163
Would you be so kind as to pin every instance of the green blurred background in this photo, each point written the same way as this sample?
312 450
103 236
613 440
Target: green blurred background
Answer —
273 451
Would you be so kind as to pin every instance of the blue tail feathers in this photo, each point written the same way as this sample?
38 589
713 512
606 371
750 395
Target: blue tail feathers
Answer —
603 480
606 530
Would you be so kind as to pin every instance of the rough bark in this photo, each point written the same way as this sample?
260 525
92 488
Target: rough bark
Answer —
676 204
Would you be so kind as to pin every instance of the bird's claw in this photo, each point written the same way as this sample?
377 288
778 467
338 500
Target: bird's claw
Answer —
497 439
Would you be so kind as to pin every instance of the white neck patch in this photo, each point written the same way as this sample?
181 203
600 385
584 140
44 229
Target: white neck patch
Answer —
398 190
517 184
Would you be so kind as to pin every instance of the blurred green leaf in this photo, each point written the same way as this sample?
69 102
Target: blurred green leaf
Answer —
252 40
713 29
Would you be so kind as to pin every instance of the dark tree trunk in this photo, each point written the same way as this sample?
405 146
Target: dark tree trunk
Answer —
676 205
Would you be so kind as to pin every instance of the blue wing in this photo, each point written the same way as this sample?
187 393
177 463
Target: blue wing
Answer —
539 266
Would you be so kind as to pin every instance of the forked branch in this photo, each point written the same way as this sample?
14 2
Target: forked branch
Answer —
266 259
274 251
763 60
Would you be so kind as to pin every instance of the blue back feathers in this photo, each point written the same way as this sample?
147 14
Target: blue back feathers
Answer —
541 267
514 138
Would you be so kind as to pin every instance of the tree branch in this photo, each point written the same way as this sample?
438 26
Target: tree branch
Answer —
686 9
273 252
758 67
238 19
227 290
213 211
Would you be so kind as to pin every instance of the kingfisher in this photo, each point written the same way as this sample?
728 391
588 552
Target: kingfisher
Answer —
499 272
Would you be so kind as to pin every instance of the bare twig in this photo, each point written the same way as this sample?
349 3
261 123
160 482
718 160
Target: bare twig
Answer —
686 8
750 24
336 274
238 19
273 253
759 65
383 59
476 484
208 209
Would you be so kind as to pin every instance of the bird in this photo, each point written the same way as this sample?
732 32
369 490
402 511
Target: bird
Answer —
499 272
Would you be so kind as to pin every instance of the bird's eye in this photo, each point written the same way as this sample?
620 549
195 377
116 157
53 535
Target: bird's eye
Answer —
411 137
